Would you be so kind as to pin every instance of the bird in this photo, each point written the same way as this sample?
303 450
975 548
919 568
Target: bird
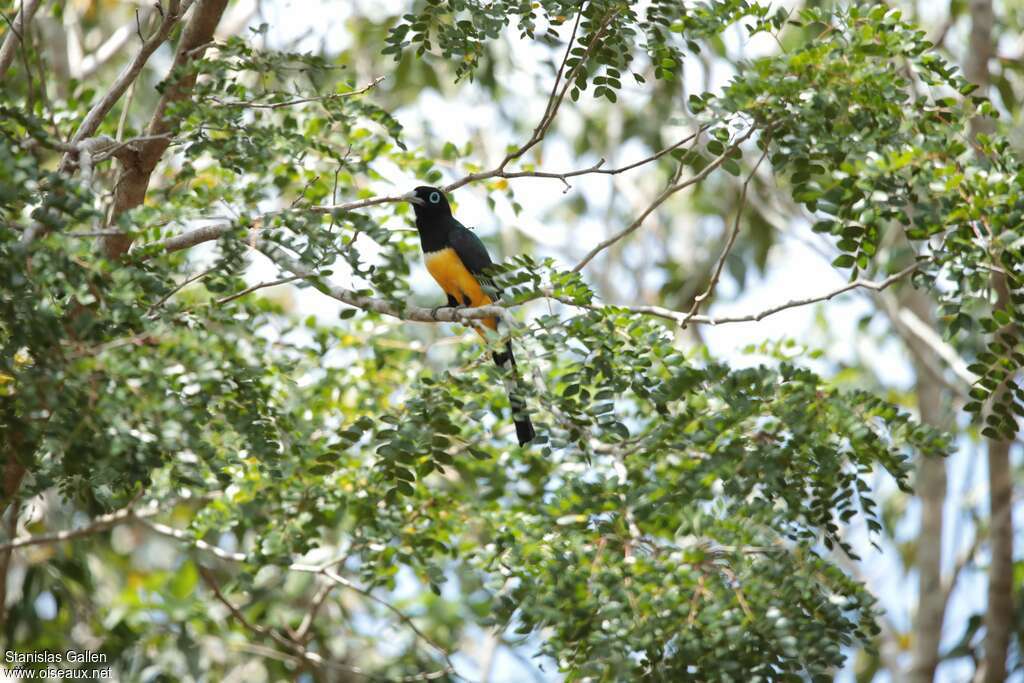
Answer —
458 261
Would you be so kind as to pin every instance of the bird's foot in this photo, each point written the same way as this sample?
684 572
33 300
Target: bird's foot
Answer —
435 309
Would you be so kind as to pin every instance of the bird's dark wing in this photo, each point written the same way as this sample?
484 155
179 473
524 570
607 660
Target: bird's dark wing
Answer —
473 253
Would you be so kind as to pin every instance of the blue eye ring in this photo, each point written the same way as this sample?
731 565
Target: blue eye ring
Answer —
435 197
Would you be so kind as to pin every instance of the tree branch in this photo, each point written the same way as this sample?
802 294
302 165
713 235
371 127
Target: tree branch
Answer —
553 103
382 306
209 233
464 315
697 300
999 611
130 190
199 543
316 603
595 169
5 555
926 334
404 618
298 648
97 525
673 187
85 67
327 572
172 14
15 32
261 285
302 100
683 318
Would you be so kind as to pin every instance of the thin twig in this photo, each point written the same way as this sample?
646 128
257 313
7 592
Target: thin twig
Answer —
324 570
298 648
85 67
261 285
314 608
184 283
697 300
427 315
302 100
678 317
16 33
598 168
208 233
382 306
665 194
14 510
199 543
551 109
103 106
933 340
402 616
97 525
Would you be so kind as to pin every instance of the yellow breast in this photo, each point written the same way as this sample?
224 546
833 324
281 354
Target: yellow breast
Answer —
447 269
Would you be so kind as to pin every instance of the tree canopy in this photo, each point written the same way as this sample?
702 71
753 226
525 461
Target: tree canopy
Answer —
229 472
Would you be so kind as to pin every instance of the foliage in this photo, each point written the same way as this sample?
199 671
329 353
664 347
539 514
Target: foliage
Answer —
676 518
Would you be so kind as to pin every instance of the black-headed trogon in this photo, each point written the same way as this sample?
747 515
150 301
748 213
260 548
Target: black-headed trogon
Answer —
458 260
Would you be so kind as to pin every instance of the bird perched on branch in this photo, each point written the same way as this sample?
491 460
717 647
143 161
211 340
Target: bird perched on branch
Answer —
459 262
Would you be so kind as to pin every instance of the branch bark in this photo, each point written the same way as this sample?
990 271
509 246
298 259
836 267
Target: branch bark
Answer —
97 525
733 234
660 199
999 611
681 318
99 111
382 306
930 486
134 181
15 32
445 314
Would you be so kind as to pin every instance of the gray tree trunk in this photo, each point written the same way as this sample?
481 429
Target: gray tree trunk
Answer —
999 611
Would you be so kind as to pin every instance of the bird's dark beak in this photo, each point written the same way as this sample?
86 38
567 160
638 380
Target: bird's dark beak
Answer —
413 199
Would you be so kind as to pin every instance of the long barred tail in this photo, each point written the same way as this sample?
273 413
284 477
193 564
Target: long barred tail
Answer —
507 362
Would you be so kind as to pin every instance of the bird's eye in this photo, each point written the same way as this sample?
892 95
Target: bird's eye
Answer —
435 197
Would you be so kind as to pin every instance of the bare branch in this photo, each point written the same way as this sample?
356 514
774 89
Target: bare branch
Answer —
91 63
598 167
314 608
103 147
463 315
187 240
382 306
199 543
683 318
327 572
131 187
697 300
182 285
962 562
5 555
302 100
96 526
928 336
208 233
99 111
550 110
298 648
404 618
673 187
261 285
15 32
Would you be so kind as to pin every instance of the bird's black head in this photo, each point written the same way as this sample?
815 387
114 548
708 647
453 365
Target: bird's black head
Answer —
429 202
